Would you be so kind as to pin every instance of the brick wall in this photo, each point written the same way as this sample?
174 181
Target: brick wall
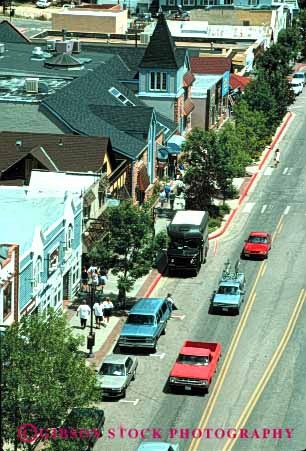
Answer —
232 17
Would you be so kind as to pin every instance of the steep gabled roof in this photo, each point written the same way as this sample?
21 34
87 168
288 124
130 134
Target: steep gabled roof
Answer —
160 52
9 33
55 152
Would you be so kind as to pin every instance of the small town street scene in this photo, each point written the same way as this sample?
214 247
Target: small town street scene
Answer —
152 225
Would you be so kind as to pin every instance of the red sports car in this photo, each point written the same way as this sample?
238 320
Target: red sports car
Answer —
258 245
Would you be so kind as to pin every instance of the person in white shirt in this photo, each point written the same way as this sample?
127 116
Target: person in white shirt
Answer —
107 309
98 311
84 311
170 302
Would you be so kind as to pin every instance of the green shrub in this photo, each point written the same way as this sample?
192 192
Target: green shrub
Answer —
224 209
213 224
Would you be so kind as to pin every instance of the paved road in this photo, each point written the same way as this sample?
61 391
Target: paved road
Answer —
30 27
240 397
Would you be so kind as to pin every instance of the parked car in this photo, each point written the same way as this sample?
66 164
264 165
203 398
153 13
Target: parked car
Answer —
157 446
146 322
301 76
297 85
115 374
257 245
195 366
43 4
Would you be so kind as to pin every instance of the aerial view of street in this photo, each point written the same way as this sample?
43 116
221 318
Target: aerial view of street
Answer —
153 226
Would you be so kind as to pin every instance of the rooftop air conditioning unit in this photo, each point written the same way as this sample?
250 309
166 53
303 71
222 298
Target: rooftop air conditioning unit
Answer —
2 48
76 46
37 53
64 46
144 38
31 85
51 46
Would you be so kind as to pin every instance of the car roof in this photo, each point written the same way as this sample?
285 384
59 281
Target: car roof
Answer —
229 283
154 446
116 358
258 234
299 73
147 306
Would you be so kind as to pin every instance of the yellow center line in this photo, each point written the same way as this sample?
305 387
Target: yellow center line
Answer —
227 361
269 371
280 228
229 356
264 267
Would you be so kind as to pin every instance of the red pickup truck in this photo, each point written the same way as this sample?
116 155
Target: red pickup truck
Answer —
195 366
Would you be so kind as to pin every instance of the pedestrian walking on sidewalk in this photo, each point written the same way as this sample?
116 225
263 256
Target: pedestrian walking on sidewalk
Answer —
98 311
103 278
167 190
162 197
84 279
170 302
107 309
276 158
84 311
172 198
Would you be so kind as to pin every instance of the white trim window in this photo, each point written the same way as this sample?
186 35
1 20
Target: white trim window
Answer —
171 2
53 260
37 273
158 81
69 238
188 2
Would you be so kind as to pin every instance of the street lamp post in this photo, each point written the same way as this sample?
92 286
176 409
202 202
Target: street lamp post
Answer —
91 336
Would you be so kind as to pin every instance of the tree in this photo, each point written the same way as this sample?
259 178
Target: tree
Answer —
301 23
43 374
230 158
252 129
129 247
292 39
200 147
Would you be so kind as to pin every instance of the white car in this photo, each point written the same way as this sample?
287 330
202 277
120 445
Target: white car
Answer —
300 76
43 4
297 85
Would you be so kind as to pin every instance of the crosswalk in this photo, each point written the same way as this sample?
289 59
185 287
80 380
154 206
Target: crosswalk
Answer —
266 208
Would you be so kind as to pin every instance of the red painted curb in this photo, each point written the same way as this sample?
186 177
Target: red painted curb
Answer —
248 187
243 195
225 225
278 135
152 286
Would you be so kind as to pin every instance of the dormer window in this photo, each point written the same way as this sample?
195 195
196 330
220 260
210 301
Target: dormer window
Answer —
158 81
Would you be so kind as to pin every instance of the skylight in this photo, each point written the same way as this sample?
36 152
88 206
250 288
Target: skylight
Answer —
124 100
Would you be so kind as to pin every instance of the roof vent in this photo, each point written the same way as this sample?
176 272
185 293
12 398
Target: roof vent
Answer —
18 142
51 45
60 142
64 46
37 53
31 85
2 48
76 46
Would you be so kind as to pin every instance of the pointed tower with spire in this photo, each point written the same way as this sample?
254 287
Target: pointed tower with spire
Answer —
165 78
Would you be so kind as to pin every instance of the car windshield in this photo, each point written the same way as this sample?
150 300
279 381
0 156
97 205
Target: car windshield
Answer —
146 320
257 239
193 360
298 76
227 290
112 369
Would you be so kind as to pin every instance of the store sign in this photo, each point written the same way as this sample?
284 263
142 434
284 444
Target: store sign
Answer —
225 83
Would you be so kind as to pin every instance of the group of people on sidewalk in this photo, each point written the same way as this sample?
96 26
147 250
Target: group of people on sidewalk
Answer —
169 192
94 275
101 309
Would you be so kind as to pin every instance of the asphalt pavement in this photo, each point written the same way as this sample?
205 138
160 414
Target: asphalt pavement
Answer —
260 382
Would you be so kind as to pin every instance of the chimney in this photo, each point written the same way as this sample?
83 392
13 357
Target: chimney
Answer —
18 143
60 142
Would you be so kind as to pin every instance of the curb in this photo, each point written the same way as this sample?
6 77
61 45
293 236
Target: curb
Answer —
288 117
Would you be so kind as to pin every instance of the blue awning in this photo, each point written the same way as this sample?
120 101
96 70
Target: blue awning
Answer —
174 144
162 154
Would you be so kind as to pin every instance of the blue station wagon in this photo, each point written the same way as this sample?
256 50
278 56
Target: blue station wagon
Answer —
146 322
